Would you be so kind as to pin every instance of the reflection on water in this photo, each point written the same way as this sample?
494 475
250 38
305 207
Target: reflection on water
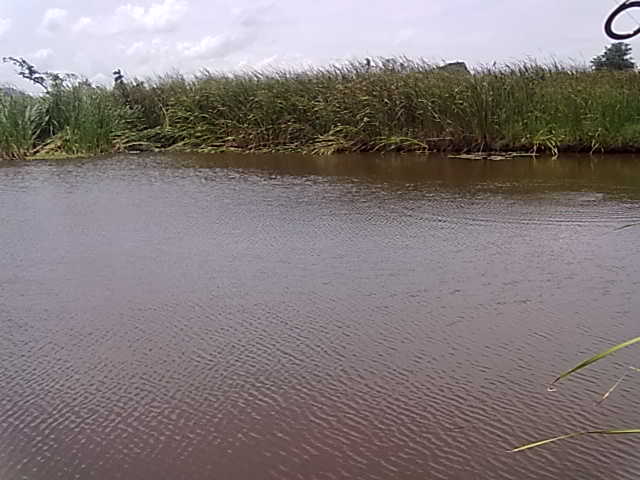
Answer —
292 317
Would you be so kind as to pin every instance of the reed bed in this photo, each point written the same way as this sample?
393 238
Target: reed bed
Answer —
398 105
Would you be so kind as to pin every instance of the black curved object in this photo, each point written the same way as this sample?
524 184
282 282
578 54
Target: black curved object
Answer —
608 26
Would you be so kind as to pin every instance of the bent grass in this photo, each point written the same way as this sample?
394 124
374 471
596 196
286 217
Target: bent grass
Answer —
568 373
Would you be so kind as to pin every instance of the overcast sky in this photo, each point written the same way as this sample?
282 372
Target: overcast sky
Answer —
146 37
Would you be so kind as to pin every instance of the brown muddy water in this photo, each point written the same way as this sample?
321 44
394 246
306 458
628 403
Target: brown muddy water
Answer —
287 317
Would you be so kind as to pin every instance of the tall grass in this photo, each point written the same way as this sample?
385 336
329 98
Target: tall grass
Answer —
83 120
21 120
400 105
415 107
69 120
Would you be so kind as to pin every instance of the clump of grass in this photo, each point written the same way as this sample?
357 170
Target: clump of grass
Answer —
406 106
67 121
21 120
381 105
82 119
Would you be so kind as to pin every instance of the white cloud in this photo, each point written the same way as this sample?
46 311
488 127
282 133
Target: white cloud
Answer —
138 48
160 54
83 24
54 20
5 25
150 52
43 58
240 32
247 24
219 46
42 54
159 17
280 62
255 15
405 35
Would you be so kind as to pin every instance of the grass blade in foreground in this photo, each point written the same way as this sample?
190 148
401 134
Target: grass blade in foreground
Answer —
616 385
574 435
595 358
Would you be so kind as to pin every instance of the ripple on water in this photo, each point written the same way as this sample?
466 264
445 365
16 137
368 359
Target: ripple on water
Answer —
206 322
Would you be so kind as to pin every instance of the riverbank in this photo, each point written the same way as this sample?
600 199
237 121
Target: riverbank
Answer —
401 105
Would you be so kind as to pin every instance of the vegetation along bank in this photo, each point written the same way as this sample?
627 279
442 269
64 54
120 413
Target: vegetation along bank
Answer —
384 105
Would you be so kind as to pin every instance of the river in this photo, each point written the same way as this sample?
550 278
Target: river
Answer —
294 317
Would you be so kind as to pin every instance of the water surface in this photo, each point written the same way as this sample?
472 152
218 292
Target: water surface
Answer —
291 317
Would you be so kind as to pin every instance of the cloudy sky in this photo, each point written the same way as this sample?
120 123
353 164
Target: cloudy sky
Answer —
147 37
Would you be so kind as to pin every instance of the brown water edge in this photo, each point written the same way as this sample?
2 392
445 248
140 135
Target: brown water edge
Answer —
567 170
188 316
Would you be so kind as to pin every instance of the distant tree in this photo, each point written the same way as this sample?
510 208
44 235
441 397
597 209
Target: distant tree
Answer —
120 86
616 56
28 71
49 81
118 77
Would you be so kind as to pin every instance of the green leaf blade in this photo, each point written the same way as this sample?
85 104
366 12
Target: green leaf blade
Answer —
628 431
595 358
544 442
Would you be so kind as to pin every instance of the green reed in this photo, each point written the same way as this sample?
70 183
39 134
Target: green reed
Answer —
416 107
399 105
82 119
584 364
21 119
75 120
